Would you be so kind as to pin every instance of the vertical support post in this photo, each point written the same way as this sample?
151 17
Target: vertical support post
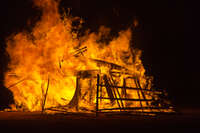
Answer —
101 92
122 104
111 82
124 93
138 92
97 96
78 94
45 96
143 95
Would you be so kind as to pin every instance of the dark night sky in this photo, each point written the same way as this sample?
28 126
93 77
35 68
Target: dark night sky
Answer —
165 35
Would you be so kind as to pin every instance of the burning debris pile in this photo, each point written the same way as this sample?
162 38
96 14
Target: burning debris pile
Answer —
52 68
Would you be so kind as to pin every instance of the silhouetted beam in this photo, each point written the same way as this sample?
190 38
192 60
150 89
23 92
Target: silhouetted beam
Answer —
17 83
45 96
126 99
154 112
97 95
131 88
135 108
109 64
121 72
80 51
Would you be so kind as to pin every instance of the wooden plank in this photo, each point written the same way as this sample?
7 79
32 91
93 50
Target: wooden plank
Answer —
97 96
101 92
108 87
80 51
132 88
126 99
135 108
113 82
120 98
138 92
45 97
75 99
17 83
116 98
124 93
143 95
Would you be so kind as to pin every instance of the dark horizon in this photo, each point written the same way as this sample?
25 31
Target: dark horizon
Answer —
164 35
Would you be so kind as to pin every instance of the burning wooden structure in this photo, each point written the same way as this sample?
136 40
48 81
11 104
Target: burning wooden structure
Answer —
52 68
105 88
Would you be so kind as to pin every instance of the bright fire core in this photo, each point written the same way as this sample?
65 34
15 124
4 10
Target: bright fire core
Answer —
52 54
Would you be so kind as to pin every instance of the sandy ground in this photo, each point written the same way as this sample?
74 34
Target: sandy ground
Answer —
187 120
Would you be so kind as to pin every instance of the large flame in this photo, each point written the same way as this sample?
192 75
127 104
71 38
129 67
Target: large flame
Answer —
50 56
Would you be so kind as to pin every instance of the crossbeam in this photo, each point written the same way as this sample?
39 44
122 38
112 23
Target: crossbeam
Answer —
125 99
131 88
134 108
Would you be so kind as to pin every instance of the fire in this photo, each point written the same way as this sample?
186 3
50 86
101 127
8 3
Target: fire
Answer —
51 55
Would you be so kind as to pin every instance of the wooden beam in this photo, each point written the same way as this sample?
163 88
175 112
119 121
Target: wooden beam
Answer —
135 108
17 83
143 95
45 97
122 104
132 88
138 92
97 96
126 99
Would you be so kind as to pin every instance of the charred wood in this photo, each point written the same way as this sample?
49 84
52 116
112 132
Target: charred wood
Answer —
135 108
45 97
132 88
126 99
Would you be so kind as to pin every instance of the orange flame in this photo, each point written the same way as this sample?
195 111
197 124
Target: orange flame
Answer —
53 52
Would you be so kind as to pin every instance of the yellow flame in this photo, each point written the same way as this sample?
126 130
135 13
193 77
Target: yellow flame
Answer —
50 52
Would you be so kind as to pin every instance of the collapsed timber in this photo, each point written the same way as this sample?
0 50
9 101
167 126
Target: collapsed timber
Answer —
110 97
148 102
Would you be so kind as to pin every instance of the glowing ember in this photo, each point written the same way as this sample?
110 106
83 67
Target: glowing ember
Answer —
51 56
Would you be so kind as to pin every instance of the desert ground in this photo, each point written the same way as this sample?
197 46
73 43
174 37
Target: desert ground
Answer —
186 120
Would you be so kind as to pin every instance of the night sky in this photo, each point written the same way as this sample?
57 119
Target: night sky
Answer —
166 35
